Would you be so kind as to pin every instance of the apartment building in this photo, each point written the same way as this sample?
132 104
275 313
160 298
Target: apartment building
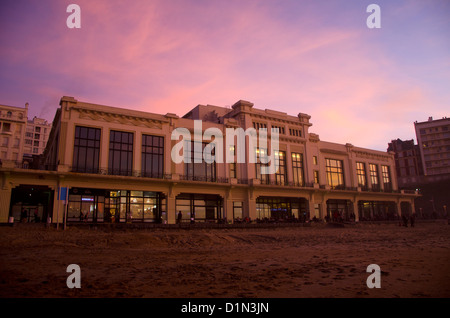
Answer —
36 136
408 161
117 165
13 122
433 138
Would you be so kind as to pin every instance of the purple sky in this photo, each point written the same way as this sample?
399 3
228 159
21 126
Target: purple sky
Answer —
362 86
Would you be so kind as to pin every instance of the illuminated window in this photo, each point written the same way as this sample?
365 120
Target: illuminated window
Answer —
374 179
361 173
315 160
280 162
261 153
335 173
316 176
297 168
233 171
386 175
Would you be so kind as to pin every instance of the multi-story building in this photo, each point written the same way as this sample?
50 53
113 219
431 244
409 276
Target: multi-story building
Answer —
408 162
122 165
36 136
13 121
433 138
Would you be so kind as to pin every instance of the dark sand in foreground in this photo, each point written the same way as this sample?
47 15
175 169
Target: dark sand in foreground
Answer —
316 261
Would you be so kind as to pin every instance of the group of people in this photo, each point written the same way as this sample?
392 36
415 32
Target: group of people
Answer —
24 216
405 219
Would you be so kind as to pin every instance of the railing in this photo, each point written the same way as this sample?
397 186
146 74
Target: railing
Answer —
123 172
204 179
30 165
242 181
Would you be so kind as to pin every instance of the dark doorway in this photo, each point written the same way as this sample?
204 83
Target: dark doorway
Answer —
31 203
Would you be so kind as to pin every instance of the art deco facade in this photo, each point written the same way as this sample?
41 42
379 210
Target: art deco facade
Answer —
118 167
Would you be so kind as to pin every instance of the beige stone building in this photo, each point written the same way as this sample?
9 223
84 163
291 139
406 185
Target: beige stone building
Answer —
117 166
36 136
13 122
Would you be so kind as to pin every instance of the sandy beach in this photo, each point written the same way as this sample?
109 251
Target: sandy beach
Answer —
291 262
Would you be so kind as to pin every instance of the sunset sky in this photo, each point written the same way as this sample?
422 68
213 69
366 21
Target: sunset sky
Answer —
362 86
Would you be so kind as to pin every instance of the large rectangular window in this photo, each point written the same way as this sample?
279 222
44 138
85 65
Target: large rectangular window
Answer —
120 153
374 179
280 162
361 173
86 150
261 153
238 210
152 156
386 175
198 168
297 168
335 173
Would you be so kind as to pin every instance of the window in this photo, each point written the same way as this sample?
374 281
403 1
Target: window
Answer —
258 126
86 150
361 173
238 210
197 168
280 129
386 175
36 143
28 134
6 127
28 141
335 173
152 156
199 207
316 176
9 114
297 168
37 129
233 171
373 169
37 136
280 162
145 206
295 132
315 160
120 153
5 141
259 164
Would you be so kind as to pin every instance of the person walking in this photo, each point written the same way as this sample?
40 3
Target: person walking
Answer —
412 219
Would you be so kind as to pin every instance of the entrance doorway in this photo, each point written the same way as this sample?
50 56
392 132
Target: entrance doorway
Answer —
31 203
199 207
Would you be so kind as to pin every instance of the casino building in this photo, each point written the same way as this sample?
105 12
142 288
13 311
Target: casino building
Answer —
115 165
